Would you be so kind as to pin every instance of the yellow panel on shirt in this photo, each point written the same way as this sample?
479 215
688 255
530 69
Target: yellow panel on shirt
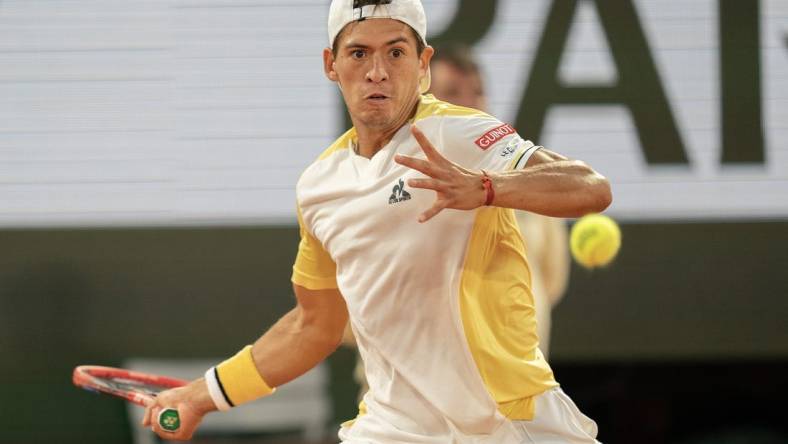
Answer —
313 269
498 314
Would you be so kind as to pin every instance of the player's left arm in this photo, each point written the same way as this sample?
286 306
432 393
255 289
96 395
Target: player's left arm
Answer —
549 184
553 185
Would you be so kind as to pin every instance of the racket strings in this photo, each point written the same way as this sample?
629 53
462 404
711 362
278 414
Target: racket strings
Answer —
131 385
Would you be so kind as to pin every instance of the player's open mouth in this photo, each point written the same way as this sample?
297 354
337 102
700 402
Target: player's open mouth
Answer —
376 97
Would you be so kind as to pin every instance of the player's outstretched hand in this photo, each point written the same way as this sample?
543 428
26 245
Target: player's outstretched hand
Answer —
456 187
192 402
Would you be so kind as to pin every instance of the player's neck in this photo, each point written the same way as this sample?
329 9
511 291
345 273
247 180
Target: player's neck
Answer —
373 139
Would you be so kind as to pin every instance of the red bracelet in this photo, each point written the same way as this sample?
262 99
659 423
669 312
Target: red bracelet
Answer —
488 187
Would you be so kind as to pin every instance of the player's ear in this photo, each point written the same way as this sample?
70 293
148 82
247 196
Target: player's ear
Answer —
425 77
426 57
328 65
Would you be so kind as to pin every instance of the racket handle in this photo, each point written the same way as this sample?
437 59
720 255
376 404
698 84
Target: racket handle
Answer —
169 420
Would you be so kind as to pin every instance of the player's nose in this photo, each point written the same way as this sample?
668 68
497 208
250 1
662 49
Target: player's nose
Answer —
377 71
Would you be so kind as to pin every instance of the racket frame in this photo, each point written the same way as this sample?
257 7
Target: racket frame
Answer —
92 378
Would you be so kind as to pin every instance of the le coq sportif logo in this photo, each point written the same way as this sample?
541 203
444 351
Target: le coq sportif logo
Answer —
398 193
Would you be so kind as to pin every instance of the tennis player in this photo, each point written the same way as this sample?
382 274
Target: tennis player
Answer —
407 230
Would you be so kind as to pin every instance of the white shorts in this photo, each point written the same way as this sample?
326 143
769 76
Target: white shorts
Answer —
557 421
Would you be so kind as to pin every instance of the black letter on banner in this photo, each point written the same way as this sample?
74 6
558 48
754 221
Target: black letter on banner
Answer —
638 88
470 24
740 82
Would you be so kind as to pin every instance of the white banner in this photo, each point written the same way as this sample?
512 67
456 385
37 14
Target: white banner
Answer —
184 112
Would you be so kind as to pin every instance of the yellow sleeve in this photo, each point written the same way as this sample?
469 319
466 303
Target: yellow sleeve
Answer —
313 269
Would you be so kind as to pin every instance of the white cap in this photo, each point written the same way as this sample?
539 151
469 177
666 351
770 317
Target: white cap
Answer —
342 12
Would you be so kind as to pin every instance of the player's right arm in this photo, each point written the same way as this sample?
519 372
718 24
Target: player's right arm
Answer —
299 341
296 343
302 338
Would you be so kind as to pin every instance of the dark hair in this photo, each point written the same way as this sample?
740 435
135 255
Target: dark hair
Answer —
458 55
362 3
420 45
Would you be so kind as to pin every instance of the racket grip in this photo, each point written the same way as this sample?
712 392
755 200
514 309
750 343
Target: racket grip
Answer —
169 420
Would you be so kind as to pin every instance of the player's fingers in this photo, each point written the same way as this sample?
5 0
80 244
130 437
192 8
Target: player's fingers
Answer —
439 206
169 436
417 164
146 418
426 145
151 405
427 184
154 414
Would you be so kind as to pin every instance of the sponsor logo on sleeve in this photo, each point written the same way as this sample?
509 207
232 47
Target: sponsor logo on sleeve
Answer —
512 146
494 135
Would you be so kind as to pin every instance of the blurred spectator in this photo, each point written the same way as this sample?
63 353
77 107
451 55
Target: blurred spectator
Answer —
456 77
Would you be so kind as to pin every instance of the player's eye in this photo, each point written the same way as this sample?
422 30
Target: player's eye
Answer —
396 53
358 54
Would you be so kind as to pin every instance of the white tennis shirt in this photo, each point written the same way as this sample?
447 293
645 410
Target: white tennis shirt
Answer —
442 311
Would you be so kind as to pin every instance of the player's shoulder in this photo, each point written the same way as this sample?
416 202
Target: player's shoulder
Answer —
343 144
463 126
335 152
430 107
325 166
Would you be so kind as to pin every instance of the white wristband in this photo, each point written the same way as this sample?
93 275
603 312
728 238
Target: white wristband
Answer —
523 160
216 391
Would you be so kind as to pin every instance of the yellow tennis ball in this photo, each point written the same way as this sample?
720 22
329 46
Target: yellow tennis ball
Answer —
595 240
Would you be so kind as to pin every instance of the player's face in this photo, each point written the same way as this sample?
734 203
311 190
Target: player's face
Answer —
378 69
452 85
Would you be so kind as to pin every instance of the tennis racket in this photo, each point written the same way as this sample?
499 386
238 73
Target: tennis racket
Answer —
137 387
